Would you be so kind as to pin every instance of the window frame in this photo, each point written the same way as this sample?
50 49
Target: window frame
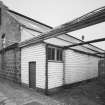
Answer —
55 55
51 53
59 55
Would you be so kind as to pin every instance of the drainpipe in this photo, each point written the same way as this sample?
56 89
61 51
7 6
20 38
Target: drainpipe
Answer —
46 72
15 71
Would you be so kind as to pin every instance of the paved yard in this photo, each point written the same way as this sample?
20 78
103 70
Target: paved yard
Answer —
90 93
87 93
13 94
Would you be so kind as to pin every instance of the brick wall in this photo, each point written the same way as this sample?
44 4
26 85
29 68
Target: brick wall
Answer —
10 64
10 57
18 65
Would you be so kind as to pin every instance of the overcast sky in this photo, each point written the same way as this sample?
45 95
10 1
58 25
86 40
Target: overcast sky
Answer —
56 12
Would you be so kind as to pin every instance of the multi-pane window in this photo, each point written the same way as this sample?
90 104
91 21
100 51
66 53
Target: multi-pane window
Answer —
51 53
54 54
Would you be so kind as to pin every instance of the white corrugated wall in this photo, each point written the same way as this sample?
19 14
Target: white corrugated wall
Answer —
33 53
79 67
55 74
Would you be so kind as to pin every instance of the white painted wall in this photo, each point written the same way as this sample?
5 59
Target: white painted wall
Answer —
79 67
33 53
55 74
28 34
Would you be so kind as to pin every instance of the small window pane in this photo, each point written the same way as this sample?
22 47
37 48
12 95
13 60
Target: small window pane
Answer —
59 55
51 53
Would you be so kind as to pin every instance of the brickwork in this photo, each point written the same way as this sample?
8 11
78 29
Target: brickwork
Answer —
10 57
18 65
10 65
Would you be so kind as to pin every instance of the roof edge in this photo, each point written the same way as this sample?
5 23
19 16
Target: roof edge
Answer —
29 18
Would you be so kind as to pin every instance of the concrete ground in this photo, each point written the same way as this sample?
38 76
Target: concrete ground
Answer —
88 93
13 94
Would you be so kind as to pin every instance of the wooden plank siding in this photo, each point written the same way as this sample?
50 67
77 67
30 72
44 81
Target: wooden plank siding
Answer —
79 67
33 53
55 74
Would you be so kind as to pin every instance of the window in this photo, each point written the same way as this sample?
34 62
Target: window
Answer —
59 55
54 54
51 53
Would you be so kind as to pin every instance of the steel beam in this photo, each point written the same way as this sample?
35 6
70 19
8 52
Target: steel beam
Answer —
87 42
94 17
87 53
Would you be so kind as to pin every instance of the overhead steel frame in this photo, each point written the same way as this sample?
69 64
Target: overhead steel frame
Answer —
92 18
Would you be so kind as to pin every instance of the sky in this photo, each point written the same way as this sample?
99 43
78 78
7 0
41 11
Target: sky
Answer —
57 12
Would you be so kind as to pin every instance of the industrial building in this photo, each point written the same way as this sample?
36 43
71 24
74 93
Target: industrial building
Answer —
43 64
